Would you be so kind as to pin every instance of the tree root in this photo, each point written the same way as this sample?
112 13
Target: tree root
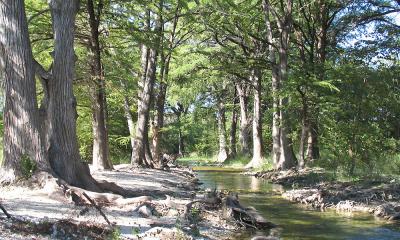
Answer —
5 211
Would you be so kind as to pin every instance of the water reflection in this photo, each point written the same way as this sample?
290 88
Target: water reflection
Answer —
295 221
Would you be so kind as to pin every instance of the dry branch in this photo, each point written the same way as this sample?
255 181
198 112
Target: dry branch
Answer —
5 211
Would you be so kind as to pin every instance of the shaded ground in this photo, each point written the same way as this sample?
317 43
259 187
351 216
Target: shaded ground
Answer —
314 187
163 217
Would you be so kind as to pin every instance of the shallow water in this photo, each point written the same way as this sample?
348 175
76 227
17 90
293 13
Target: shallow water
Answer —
295 221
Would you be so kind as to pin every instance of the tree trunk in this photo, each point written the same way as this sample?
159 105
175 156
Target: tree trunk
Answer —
141 145
276 130
257 159
321 44
62 139
304 130
223 149
287 158
101 159
232 135
181 146
159 116
21 120
141 153
138 154
129 119
244 138
275 80
312 143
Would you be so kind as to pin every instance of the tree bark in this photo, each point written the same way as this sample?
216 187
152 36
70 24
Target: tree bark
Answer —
138 154
141 153
162 91
62 139
101 156
21 120
286 155
304 133
257 159
275 80
221 119
128 115
232 134
244 138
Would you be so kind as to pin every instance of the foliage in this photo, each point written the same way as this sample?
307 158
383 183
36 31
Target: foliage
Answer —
28 167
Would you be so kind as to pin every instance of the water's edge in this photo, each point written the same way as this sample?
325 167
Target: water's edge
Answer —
295 221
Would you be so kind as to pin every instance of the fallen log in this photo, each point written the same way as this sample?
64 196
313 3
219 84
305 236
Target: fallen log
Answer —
246 216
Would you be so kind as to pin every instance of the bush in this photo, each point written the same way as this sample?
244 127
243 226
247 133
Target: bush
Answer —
28 167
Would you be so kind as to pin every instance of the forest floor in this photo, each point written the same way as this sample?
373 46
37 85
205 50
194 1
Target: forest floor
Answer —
165 215
315 187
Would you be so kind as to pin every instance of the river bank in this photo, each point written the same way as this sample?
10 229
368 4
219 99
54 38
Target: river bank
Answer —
172 207
315 187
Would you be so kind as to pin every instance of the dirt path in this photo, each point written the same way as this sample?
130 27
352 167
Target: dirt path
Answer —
160 218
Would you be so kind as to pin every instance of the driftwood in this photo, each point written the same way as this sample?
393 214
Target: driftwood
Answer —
5 211
213 201
97 207
247 217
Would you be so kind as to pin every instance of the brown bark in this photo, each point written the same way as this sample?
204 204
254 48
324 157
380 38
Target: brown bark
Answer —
162 91
286 158
304 132
138 153
21 119
232 133
61 129
275 80
141 154
244 138
128 115
101 156
257 159
221 119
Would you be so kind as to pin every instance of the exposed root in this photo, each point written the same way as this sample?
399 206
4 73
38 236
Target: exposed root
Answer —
5 211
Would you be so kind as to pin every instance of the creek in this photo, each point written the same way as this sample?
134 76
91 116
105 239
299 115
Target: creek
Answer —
294 220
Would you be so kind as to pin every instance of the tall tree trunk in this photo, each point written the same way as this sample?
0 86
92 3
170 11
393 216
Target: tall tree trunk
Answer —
257 159
141 146
158 124
21 120
63 144
304 131
128 114
141 153
232 134
181 145
129 119
161 97
286 158
160 106
244 138
223 149
276 130
101 159
275 80
321 44
312 142
138 153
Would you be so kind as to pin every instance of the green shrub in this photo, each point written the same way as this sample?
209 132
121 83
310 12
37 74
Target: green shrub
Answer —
28 166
